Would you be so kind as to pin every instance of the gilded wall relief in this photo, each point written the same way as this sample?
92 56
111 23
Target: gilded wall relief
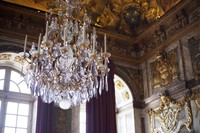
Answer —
194 46
171 116
5 56
164 69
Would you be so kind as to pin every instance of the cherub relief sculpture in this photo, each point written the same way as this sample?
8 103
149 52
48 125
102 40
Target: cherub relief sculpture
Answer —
164 70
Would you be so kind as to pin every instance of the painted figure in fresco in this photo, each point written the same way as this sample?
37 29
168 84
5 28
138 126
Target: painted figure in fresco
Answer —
108 18
165 70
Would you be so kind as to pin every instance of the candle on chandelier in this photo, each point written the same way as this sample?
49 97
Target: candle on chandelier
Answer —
84 33
64 36
25 44
105 43
93 39
39 40
46 35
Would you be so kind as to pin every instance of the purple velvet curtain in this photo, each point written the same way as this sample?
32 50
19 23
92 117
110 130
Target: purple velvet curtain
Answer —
100 112
45 117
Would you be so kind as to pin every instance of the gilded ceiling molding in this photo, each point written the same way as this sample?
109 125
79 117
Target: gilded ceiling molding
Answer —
171 115
165 33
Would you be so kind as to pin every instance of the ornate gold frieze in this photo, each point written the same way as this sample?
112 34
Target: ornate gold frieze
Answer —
171 116
5 56
164 70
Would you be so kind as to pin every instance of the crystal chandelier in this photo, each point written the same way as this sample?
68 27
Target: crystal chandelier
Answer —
66 68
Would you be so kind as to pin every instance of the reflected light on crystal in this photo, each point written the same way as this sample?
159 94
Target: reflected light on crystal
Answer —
65 104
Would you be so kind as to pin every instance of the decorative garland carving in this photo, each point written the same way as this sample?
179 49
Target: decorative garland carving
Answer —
171 116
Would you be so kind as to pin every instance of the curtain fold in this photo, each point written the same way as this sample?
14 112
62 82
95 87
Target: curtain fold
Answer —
100 111
45 117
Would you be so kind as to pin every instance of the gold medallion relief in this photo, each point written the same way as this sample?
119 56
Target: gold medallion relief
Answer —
164 69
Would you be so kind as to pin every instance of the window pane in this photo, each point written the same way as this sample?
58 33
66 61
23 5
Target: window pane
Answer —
23 109
23 88
12 108
9 130
21 130
22 121
16 77
1 84
0 107
13 87
121 124
2 73
10 120
129 123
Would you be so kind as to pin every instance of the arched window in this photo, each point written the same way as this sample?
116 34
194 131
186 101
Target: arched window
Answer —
124 106
16 102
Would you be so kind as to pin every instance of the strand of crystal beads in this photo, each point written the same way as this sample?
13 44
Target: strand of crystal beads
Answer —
67 65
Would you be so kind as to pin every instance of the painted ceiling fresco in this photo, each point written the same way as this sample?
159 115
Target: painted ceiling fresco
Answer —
129 17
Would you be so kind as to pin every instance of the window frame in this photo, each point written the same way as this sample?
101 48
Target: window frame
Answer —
18 97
